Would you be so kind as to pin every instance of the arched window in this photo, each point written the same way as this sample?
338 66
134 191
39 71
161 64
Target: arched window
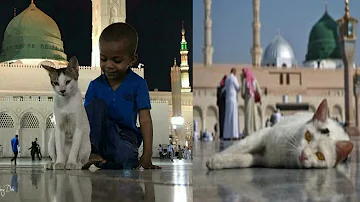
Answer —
33 46
284 65
42 45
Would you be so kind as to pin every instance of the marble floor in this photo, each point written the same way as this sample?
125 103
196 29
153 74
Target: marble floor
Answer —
28 181
272 185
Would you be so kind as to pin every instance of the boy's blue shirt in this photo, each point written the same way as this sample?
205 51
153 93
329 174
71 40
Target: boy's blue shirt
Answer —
124 103
14 144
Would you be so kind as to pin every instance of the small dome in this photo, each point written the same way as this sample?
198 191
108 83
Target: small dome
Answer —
323 40
32 34
279 53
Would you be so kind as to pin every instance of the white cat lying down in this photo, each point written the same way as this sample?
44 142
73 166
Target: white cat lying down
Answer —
303 140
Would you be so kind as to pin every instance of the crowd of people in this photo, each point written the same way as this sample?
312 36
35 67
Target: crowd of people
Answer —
172 151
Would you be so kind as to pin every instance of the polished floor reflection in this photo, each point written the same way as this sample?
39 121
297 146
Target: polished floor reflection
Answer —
173 183
270 185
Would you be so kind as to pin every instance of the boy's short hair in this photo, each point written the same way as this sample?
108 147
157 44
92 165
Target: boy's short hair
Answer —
119 31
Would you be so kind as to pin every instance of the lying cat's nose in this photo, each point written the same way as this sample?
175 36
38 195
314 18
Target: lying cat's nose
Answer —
303 157
62 91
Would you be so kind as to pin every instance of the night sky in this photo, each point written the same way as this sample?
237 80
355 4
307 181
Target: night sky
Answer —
158 23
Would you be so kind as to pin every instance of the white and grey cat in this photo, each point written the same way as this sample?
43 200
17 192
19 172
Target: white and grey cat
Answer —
303 140
69 145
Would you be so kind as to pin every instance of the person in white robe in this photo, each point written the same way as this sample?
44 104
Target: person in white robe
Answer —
231 123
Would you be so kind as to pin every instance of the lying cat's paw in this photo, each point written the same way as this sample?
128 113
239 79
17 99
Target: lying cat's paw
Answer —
49 165
214 163
58 166
70 166
74 166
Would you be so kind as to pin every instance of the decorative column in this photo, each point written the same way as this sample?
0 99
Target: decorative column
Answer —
256 50
208 48
347 38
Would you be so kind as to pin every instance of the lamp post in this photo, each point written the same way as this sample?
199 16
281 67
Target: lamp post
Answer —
347 39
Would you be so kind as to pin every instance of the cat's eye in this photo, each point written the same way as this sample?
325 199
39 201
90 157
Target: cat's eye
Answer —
324 131
67 82
56 83
308 136
320 156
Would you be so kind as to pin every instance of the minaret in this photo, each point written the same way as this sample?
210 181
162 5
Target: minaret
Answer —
176 101
256 50
208 50
104 13
184 65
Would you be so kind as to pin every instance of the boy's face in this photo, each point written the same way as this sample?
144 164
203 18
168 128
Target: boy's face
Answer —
115 58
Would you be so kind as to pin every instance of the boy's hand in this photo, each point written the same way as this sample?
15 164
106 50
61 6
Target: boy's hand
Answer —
146 163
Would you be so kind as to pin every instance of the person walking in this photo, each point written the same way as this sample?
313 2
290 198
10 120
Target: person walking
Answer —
14 146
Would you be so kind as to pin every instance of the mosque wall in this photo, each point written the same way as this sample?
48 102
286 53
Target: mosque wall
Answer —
30 117
279 86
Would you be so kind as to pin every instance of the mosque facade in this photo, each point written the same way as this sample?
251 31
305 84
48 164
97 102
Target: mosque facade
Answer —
286 84
32 38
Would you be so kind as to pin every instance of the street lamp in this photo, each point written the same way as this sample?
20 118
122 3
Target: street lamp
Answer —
347 39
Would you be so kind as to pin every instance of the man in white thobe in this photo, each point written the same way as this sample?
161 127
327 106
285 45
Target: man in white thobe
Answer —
231 123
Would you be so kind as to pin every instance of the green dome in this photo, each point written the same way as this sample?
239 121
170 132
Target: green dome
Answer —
323 40
32 35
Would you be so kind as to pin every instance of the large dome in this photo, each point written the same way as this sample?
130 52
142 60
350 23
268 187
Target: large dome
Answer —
32 34
279 53
323 40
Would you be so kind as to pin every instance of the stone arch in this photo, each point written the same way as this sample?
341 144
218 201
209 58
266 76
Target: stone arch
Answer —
31 126
14 117
211 118
337 112
49 123
29 120
198 117
37 114
6 120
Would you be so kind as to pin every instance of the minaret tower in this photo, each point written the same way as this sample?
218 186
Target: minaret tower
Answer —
256 50
104 13
184 65
176 103
208 50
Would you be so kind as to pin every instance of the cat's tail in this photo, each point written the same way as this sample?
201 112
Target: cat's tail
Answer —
253 143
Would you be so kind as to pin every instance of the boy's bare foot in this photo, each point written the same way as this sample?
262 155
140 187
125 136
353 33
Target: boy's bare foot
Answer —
94 159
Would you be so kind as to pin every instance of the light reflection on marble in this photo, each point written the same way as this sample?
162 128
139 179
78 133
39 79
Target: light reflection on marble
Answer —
268 185
173 183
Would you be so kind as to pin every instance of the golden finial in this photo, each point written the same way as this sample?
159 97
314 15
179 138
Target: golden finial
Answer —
174 62
14 12
347 10
32 1
182 28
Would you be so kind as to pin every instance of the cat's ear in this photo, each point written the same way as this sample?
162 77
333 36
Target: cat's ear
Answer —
48 68
321 113
343 149
73 63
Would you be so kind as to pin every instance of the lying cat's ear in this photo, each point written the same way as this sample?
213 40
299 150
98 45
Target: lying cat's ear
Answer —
343 149
48 68
73 63
321 113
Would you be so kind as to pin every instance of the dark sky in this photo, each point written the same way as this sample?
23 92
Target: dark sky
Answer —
158 23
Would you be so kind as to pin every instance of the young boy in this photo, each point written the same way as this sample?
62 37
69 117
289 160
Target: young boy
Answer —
113 101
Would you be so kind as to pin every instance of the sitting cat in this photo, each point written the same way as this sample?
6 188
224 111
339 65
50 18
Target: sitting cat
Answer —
69 145
303 140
